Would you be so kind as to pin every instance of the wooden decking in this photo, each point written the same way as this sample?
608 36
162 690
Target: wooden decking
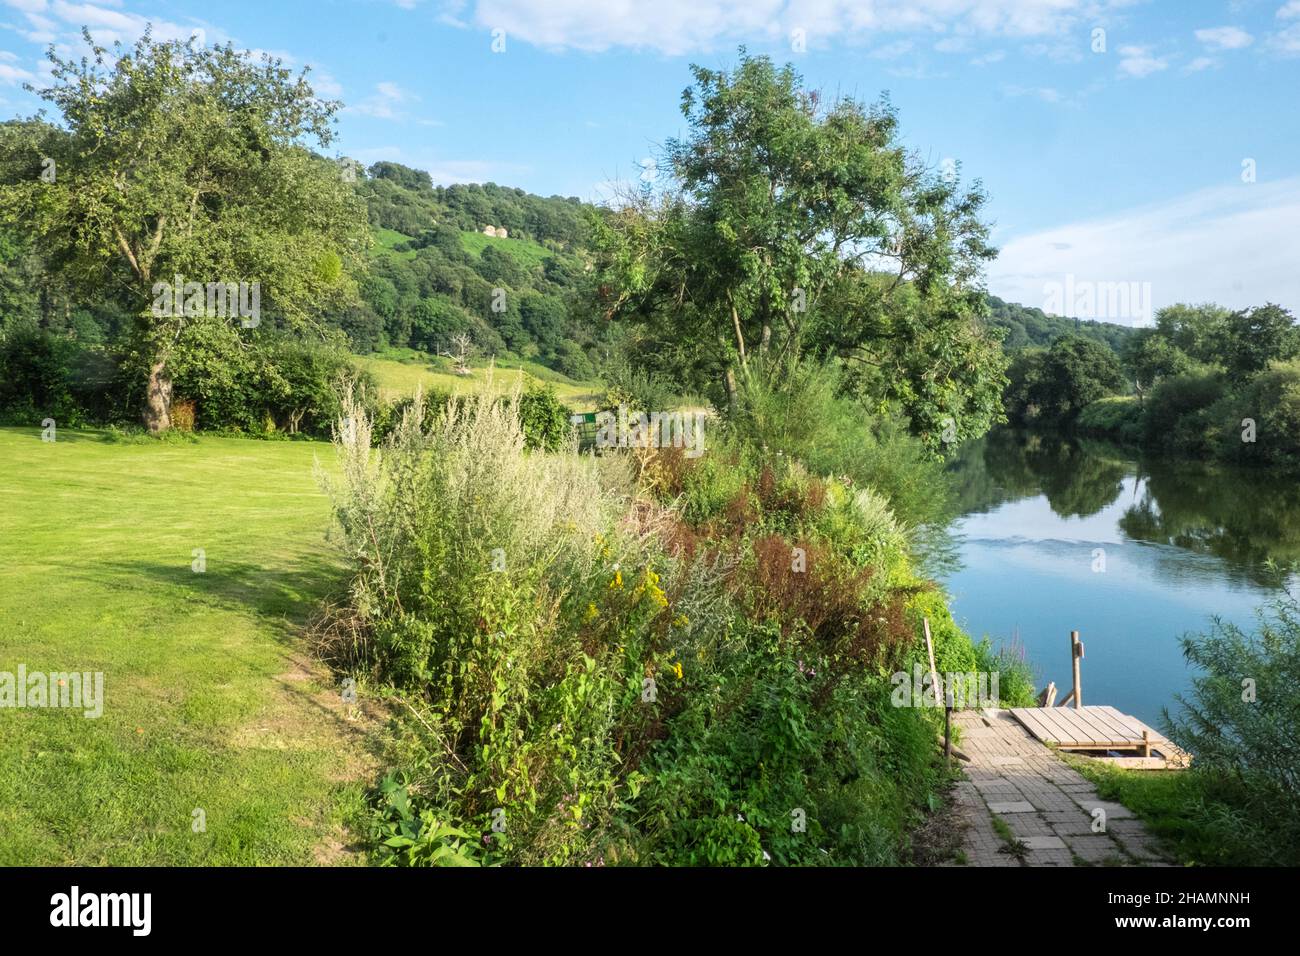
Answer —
1103 729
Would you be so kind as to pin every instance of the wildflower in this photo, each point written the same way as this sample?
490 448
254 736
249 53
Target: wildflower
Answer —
681 620
677 669
592 613
617 580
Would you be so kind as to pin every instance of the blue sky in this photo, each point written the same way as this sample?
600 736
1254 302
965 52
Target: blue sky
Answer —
1109 157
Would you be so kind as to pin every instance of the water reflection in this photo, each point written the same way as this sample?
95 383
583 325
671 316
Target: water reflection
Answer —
1056 535
1243 517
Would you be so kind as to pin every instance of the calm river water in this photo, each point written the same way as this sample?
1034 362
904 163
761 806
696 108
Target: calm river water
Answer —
1057 536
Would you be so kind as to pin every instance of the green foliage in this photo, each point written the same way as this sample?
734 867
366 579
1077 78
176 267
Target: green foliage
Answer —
1239 802
1242 719
1272 402
1051 387
36 374
1026 327
404 838
1178 418
177 159
528 668
544 418
1118 417
810 416
1253 338
770 187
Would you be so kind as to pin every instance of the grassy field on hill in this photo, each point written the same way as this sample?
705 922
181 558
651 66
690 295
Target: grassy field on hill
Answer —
527 253
399 372
209 703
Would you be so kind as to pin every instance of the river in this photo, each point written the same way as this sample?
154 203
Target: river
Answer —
1058 535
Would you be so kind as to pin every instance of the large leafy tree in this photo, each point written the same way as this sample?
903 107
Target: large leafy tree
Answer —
1252 338
174 159
792 225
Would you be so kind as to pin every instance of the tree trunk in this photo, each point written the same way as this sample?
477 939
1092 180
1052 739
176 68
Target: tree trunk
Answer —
158 404
729 382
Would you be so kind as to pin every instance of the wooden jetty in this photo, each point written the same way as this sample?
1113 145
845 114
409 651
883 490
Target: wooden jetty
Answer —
1101 732
1121 740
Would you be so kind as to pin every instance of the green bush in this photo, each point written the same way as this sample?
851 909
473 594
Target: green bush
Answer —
36 373
1118 417
1272 402
545 419
1242 723
621 675
1177 417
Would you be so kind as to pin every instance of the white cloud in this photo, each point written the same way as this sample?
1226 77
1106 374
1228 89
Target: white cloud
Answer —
384 103
997 56
1289 11
1045 93
1138 61
678 27
1201 63
1235 245
1225 38
12 75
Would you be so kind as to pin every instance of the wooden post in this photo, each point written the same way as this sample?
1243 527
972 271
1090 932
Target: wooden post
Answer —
1048 697
1146 743
1076 654
934 673
947 732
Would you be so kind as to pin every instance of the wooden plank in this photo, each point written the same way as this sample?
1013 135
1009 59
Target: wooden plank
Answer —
1044 728
1048 696
1061 721
940 697
1101 730
1082 728
1129 726
1032 722
1124 720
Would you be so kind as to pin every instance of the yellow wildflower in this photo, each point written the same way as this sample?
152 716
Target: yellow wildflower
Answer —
677 669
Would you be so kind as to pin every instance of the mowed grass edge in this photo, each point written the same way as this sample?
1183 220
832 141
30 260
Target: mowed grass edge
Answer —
210 703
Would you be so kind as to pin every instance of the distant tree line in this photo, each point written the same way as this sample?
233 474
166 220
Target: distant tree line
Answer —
1204 382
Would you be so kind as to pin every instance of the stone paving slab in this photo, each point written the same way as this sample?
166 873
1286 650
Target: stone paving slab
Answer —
1047 805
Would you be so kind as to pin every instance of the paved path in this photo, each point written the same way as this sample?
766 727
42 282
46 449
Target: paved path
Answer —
1052 810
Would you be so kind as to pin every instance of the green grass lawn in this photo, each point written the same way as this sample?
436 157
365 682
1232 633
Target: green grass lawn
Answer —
210 702
398 378
529 254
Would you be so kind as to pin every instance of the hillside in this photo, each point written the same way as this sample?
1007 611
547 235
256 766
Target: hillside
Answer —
1026 327
435 276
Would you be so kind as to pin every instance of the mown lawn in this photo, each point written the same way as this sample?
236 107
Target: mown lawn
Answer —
400 378
210 702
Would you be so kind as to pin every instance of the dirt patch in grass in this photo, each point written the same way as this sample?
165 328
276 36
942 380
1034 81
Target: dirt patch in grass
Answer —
939 837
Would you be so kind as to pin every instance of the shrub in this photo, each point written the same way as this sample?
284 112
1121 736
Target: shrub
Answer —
1118 417
627 671
183 415
1242 723
1272 402
544 418
1177 413
36 371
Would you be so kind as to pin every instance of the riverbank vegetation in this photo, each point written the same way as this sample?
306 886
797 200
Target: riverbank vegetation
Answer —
1239 803
645 656
635 659
1204 382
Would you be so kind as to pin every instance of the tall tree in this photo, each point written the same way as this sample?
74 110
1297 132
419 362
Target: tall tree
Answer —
176 159
793 224
1252 338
